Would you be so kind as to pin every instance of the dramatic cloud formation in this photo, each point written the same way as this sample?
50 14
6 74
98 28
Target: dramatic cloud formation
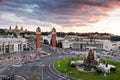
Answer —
66 13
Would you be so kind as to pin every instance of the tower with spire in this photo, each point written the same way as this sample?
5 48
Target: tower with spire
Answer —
10 29
54 38
38 38
16 27
21 29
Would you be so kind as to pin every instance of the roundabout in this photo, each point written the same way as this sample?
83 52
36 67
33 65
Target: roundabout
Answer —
92 64
66 69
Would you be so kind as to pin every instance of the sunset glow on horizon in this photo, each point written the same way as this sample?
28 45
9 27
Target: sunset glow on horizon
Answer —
65 15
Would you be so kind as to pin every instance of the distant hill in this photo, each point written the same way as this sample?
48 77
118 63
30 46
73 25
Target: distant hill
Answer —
60 34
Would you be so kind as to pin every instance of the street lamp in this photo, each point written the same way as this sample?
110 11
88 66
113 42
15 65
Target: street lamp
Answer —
59 61
105 76
70 70
42 70
105 70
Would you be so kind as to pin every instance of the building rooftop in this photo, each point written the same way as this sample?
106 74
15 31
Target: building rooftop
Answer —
11 39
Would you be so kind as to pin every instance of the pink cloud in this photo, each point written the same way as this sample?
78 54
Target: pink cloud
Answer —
63 12
88 14
5 0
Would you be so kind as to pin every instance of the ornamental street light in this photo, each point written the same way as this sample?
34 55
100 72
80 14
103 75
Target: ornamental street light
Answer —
105 76
42 71
59 61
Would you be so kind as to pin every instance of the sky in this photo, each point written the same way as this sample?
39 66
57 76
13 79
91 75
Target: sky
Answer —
65 15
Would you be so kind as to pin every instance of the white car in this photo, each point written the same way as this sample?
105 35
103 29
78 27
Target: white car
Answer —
17 65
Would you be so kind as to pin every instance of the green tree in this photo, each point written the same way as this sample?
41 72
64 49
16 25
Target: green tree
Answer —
35 77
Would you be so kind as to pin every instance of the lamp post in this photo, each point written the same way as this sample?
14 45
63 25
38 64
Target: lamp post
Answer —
105 76
105 70
42 70
59 61
69 65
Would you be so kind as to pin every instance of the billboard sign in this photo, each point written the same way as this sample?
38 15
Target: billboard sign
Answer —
15 47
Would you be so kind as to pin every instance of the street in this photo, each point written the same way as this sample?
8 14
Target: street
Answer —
44 69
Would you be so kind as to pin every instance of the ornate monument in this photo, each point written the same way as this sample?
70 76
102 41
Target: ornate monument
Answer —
90 64
90 60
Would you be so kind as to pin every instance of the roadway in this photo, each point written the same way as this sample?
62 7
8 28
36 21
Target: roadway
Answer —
44 69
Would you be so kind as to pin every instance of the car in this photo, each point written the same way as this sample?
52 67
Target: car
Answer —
79 55
44 53
17 65
37 59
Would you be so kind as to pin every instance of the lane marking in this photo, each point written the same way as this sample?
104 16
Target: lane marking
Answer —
4 68
53 71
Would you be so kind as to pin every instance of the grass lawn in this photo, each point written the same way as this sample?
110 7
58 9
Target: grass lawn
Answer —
63 66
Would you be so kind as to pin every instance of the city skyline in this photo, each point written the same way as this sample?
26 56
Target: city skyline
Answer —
65 15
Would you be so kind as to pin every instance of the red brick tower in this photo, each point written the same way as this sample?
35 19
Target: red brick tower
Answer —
54 38
38 38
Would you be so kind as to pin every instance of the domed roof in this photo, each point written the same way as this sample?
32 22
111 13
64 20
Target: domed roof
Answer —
38 29
53 30
21 29
10 28
16 27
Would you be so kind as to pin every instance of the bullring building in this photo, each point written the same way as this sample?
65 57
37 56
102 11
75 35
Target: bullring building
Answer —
10 45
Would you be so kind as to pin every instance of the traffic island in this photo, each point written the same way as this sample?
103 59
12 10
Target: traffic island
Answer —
63 66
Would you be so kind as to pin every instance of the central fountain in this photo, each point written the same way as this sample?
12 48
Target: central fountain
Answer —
91 64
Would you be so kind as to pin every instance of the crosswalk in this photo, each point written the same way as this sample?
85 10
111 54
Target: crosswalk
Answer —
4 68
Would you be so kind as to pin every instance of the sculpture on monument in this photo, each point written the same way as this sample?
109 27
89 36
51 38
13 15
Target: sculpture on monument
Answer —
90 60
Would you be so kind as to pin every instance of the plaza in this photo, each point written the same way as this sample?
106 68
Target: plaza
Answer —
41 58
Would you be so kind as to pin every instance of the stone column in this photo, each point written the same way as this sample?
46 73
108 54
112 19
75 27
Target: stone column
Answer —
21 46
9 47
3 47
